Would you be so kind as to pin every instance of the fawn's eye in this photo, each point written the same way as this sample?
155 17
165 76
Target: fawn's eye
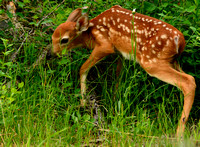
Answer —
64 41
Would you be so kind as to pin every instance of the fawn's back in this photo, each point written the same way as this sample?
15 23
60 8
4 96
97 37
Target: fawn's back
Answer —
153 39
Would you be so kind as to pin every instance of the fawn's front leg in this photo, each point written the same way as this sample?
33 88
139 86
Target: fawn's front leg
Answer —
97 54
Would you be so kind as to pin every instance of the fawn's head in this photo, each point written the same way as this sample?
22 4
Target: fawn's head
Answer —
68 34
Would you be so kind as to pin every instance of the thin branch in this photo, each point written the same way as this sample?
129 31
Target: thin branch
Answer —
14 55
41 57
50 13
144 136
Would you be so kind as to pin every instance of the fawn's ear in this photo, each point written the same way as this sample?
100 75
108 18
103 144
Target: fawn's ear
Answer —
75 15
82 23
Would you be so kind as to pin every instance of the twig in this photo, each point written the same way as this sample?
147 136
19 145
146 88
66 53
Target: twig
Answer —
41 57
144 136
93 142
50 13
14 55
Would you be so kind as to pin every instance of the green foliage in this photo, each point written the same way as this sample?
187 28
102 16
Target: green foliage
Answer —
41 105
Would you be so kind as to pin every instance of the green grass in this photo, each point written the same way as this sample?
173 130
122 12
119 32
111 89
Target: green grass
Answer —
41 106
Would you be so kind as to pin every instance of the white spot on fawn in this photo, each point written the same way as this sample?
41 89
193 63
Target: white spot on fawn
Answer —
96 32
142 48
156 37
164 36
104 21
113 22
153 51
138 39
159 42
167 43
102 29
127 29
154 60
139 31
91 24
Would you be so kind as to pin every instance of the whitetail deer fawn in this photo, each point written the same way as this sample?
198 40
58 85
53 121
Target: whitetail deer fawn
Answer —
153 43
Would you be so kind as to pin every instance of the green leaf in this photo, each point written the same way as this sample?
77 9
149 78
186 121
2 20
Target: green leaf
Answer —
64 52
20 4
20 85
3 87
196 2
13 90
33 23
10 45
8 52
11 99
86 117
187 22
164 5
190 9
64 61
149 6
66 85
177 6
51 71
35 17
47 21
193 29
2 74
1 11
8 64
4 42
26 1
